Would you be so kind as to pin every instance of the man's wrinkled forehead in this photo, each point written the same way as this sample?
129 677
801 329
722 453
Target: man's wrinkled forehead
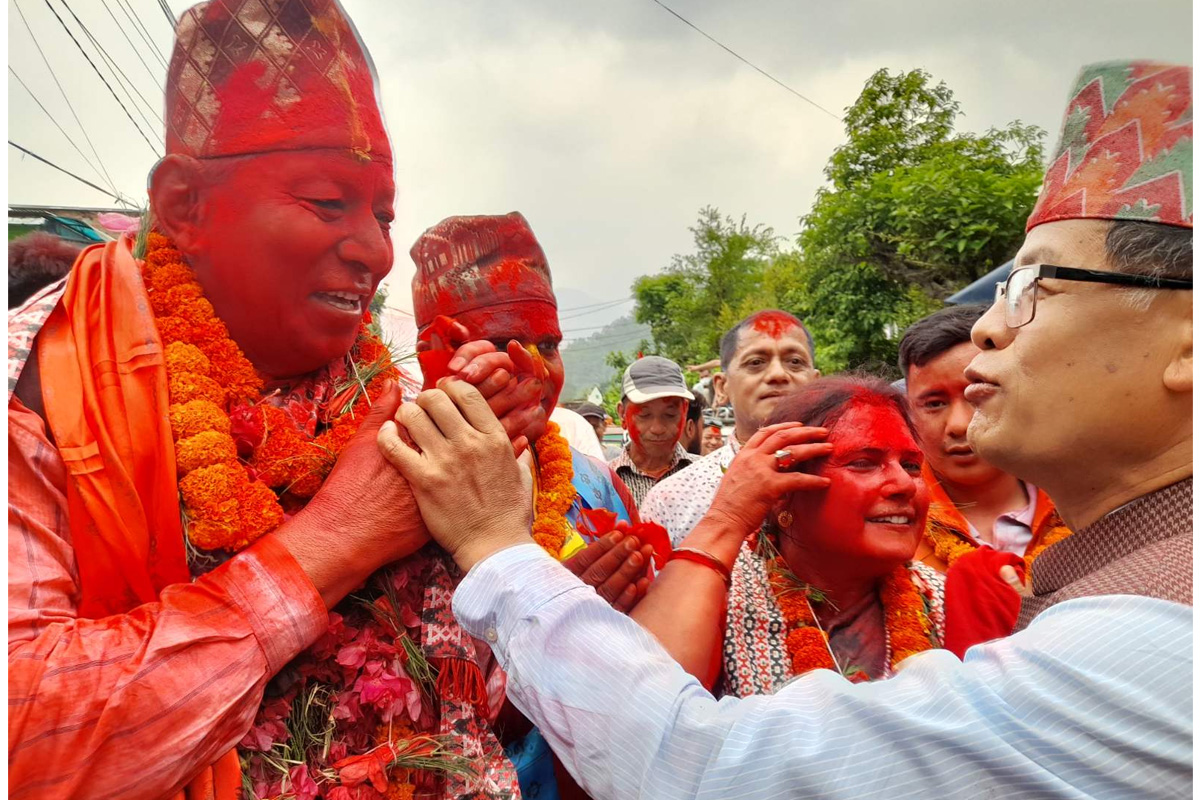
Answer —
789 339
1066 243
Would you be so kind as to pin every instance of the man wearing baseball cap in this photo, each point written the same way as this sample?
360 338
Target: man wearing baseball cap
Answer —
598 419
653 409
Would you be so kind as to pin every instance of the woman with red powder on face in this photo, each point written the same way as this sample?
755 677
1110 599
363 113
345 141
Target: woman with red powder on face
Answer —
816 538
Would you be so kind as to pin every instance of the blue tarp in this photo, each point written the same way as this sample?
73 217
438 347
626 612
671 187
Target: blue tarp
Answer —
82 231
982 290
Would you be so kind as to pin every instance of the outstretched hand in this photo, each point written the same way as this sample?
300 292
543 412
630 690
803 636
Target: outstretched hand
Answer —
755 480
616 566
467 483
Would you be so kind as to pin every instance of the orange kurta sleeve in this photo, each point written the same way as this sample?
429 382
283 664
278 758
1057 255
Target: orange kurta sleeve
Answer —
132 705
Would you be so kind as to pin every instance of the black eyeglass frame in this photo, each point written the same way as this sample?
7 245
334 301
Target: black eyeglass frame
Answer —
1084 275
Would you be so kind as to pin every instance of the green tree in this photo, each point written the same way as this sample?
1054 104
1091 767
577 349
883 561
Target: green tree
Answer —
690 303
913 211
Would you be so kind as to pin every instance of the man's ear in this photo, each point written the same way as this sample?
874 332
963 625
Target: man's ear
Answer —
176 188
718 382
1177 377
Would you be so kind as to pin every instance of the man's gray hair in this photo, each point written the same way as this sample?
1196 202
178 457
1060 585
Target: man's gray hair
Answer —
1149 248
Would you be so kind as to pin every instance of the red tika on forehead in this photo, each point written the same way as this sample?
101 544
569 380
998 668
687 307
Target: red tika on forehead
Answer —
774 323
875 422
262 76
485 271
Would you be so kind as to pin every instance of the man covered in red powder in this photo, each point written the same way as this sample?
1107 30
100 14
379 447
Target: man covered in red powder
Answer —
653 409
483 291
194 487
765 357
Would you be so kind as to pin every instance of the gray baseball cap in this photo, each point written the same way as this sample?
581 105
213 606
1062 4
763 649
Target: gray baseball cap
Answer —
653 377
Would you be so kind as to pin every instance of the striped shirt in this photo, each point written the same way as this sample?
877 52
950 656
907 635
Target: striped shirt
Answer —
1093 700
640 483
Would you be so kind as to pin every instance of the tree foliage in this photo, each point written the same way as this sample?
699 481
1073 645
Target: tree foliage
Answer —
912 212
690 302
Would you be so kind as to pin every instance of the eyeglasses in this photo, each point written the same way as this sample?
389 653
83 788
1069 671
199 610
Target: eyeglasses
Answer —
1019 291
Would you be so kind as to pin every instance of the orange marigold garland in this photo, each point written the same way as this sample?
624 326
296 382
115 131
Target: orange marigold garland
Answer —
941 532
230 498
1053 536
906 618
555 492
807 644
947 545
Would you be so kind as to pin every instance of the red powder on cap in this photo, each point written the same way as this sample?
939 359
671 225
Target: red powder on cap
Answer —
773 323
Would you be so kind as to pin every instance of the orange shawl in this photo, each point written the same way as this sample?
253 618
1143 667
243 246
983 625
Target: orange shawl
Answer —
105 392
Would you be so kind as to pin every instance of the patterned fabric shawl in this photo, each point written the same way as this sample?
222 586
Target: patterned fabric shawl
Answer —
754 658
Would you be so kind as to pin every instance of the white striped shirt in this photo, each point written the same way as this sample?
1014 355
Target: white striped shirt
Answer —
1093 700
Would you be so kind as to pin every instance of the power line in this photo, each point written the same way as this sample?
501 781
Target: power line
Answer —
604 338
596 310
141 30
120 200
137 51
131 91
593 305
166 9
63 92
762 72
53 120
100 75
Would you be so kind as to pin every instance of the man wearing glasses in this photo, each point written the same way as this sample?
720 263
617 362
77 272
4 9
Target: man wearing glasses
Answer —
1082 386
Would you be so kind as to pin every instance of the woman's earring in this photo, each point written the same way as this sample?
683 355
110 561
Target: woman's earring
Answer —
785 519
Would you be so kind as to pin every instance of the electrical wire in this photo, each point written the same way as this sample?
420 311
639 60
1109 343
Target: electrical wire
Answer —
27 152
141 30
100 75
132 93
53 120
597 310
166 9
762 72
593 305
63 92
136 50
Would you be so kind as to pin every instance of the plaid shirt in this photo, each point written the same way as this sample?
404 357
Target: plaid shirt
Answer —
640 483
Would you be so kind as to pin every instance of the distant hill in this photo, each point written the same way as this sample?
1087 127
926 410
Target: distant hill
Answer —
583 358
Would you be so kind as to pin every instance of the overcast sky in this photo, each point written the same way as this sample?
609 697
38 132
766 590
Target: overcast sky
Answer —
608 124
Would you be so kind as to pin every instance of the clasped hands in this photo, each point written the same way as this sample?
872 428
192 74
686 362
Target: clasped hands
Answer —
510 386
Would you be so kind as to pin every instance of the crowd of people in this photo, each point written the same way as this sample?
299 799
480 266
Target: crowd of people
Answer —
251 556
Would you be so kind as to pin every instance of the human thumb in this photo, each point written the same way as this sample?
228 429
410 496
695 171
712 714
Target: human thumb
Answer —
383 409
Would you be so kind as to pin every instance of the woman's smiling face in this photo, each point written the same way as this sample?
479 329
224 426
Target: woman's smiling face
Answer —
875 507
